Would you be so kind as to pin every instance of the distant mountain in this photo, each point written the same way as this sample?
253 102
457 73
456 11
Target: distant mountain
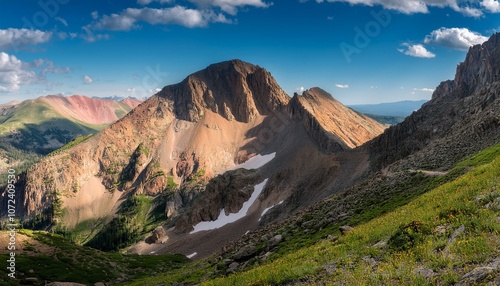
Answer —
395 109
36 127
120 98
386 119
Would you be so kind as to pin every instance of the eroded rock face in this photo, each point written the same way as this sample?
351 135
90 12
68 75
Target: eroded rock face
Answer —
236 90
227 191
332 125
461 119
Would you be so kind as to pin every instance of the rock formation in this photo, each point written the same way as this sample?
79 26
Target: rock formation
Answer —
178 145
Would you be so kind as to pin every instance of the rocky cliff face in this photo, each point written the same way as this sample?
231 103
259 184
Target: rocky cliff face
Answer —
331 124
235 90
462 117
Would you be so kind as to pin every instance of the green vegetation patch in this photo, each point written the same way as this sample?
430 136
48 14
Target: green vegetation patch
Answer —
132 221
67 262
434 233
445 232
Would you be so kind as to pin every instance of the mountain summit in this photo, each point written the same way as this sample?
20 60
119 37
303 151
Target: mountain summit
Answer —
234 89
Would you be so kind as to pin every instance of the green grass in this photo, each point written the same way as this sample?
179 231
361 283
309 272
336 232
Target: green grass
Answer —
72 263
73 143
451 204
136 217
408 222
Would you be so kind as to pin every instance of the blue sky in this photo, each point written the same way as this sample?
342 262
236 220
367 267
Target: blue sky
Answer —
361 51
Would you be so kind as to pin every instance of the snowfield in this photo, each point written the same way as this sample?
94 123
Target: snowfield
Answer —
224 219
255 162
267 209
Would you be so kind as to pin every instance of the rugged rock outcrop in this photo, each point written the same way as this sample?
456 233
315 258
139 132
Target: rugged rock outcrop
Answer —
461 119
334 126
235 90
225 192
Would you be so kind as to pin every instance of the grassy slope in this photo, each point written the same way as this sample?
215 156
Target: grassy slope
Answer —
34 121
84 265
352 259
36 113
460 202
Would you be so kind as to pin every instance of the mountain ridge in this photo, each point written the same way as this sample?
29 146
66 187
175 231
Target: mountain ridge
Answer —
177 141
35 127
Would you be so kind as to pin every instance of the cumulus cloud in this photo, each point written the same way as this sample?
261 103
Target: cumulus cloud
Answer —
455 38
230 6
14 73
422 6
178 15
418 51
492 6
342 85
87 79
11 38
300 89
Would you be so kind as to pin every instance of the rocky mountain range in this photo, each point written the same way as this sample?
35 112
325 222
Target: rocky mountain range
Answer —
33 128
218 161
173 146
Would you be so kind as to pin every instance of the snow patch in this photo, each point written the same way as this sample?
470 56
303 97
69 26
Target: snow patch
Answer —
192 255
267 209
224 219
255 162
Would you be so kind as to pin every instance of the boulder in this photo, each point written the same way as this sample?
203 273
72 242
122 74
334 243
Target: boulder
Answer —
159 235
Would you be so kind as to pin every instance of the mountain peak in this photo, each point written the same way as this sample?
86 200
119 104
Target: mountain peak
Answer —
234 89
480 69
235 64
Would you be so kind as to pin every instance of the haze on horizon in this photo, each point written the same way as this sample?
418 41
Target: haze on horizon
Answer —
359 51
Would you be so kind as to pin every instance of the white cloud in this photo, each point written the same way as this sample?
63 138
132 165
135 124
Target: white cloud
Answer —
64 22
158 89
422 6
11 39
342 85
300 89
87 79
425 89
95 15
89 35
178 15
230 6
455 38
14 73
418 51
492 6
146 2
46 66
